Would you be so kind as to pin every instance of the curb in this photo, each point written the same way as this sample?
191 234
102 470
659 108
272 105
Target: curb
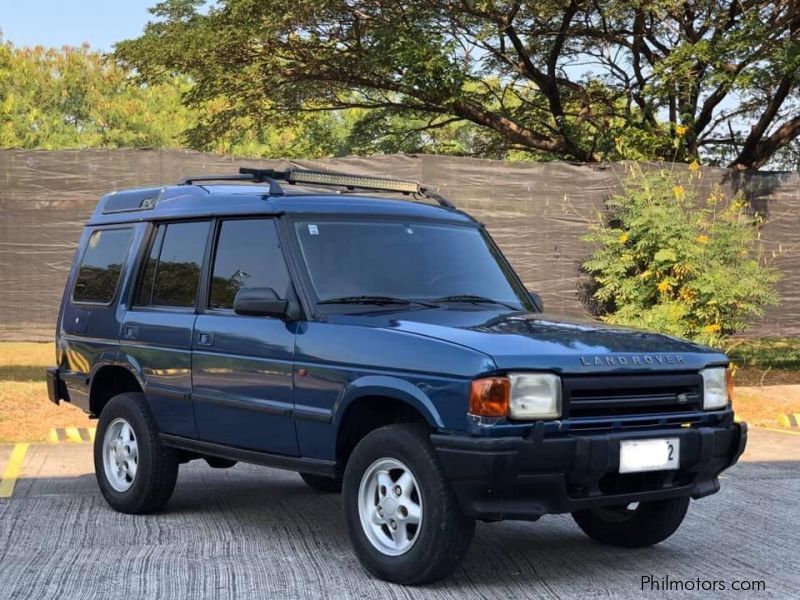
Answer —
789 420
74 435
782 430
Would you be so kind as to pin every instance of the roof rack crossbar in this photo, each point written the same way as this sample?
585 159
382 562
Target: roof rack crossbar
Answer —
275 188
326 178
429 193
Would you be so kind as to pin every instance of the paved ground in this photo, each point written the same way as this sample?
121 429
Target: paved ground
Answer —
259 533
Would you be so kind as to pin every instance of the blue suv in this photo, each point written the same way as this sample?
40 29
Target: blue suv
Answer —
380 347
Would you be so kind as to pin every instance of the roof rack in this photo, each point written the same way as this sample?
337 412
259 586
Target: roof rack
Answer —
327 178
275 188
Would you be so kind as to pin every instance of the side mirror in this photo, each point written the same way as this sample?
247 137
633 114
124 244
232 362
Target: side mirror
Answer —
260 302
537 301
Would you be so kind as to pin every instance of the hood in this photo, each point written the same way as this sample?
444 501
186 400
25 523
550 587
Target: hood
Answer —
516 340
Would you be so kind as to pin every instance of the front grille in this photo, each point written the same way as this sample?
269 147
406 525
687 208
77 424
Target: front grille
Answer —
631 395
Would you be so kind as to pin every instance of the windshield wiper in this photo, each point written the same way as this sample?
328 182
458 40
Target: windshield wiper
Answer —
377 300
473 300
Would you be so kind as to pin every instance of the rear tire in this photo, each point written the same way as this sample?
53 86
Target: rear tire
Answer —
649 523
135 471
319 483
402 517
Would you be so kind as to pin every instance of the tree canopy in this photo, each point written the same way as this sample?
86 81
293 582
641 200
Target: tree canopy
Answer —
715 80
74 98
79 98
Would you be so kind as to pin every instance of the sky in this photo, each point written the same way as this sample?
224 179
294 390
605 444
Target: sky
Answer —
58 23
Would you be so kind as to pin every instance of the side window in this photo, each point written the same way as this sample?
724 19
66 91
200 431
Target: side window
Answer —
172 270
248 255
101 266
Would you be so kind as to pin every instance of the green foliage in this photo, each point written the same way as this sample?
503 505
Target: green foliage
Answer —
77 98
765 353
74 98
671 261
555 79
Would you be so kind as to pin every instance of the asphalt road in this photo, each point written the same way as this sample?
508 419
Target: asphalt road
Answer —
251 532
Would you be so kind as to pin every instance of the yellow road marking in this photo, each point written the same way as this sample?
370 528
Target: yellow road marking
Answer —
789 420
73 435
779 430
12 471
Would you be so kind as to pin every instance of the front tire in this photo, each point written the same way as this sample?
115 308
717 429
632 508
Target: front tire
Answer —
646 524
135 472
402 517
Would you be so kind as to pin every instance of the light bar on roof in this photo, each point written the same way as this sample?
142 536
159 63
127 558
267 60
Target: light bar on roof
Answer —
353 181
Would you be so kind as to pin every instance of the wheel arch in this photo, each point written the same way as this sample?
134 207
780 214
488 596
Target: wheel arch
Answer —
108 380
374 401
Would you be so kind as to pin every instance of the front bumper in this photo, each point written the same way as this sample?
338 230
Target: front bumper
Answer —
527 477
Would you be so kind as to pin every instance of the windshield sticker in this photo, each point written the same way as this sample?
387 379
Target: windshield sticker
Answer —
313 230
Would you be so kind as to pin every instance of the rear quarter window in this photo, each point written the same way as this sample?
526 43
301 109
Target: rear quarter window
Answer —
101 265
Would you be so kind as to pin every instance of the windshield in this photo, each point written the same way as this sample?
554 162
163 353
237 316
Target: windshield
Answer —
407 261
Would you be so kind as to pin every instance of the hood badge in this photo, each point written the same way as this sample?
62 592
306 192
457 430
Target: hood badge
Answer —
633 360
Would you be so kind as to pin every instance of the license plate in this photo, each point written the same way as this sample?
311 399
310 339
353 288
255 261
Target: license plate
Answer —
636 456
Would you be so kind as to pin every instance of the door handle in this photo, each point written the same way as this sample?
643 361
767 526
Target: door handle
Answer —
131 331
205 339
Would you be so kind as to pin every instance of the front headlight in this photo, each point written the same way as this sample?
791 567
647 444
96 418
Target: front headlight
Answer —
535 396
715 388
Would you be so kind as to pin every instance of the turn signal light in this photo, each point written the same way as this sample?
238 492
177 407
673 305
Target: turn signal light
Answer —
489 397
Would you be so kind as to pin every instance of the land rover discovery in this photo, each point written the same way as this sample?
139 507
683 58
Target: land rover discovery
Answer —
372 337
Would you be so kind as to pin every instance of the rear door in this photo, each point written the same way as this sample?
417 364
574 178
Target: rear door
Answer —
242 365
157 329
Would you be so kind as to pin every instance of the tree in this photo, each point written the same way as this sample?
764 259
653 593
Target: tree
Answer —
670 261
74 98
77 98
567 79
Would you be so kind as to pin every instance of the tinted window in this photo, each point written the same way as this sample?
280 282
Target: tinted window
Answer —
101 265
406 260
145 293
172 271
248 256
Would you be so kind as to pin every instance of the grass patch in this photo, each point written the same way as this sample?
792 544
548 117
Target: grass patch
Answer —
26 413
767 361
776 353
27 354
25 361
760 406
21 373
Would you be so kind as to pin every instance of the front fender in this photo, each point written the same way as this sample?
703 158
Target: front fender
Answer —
389 387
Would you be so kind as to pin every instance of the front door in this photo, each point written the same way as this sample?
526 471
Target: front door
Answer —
242 365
